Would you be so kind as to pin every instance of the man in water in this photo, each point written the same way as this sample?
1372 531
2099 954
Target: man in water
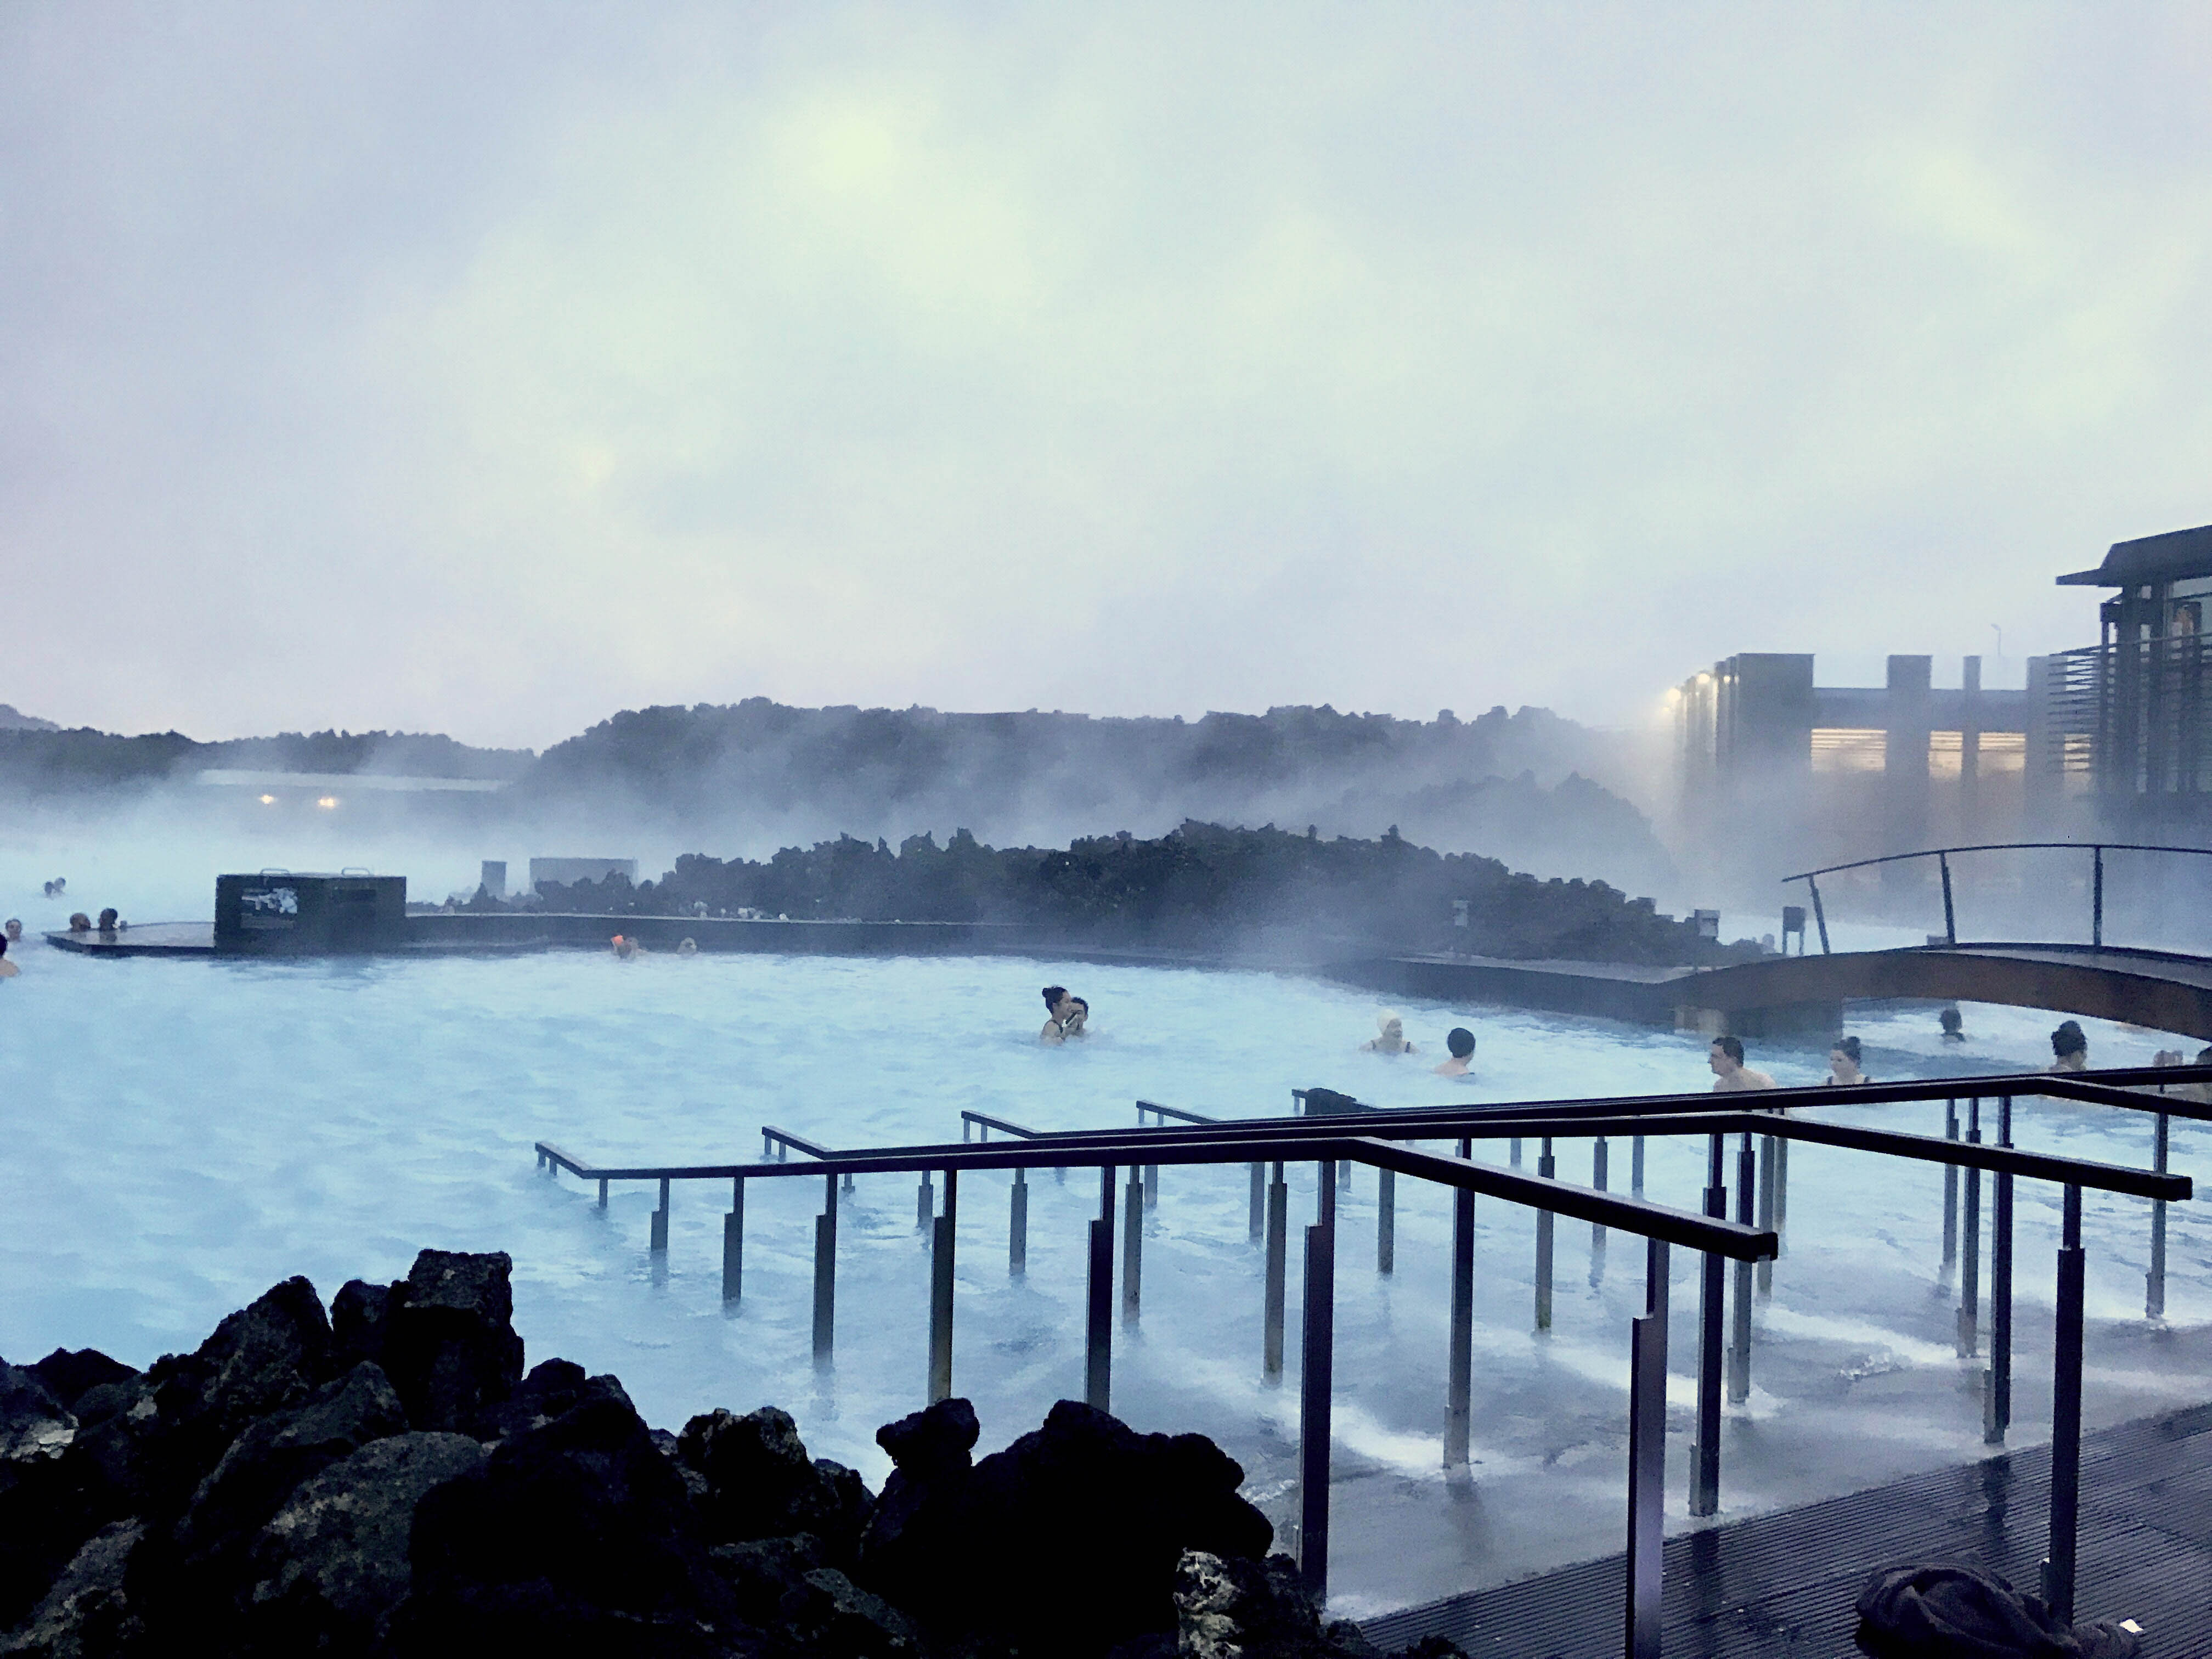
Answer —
1460 1042
1953 1026
1731 1074
15 930
2070 1047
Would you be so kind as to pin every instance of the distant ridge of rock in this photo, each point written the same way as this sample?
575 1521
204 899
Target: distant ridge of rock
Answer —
13 719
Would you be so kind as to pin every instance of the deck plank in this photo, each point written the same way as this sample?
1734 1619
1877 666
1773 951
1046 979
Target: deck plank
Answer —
1782 1584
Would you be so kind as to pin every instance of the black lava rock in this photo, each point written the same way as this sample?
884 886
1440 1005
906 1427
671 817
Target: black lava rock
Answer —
761 1483
1067 1540
450 1345
68 1374
334 1560
573 1537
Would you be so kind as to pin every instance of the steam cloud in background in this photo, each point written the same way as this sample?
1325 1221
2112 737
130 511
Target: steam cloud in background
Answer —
485 371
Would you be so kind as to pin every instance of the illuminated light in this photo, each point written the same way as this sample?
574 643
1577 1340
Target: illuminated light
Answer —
269 801
327 802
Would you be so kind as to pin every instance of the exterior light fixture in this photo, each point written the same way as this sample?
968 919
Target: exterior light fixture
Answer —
269 801
327 802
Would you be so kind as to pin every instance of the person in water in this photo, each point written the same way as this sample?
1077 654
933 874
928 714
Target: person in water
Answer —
8 969
1078 1023
689 947
1058 1005
624 947
1390 1038
1844 1062
1731 1074
14 929
1954 1026
2070 1047
80 923
108 920
1460 1042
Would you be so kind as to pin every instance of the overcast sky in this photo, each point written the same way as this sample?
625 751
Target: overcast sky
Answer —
488 370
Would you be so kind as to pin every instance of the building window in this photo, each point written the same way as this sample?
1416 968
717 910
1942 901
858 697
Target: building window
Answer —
2003 754
1946 755
1850 749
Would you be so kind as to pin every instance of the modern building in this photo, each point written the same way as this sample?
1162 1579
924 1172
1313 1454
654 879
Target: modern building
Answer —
2128 717
1766 758
1775 772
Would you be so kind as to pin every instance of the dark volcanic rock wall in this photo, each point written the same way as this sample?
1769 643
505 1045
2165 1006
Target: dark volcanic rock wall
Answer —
390 1482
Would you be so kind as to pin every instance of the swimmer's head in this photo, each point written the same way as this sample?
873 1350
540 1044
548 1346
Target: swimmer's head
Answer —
14 927
1951 1021
1460 1042
2068 1039
1392 1027
1728 1048
1847 1047
1055 995
107 919
80 923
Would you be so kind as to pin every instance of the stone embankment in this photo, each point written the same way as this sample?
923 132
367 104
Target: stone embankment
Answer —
383 1478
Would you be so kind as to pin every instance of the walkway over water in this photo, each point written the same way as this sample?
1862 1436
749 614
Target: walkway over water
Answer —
1784 1583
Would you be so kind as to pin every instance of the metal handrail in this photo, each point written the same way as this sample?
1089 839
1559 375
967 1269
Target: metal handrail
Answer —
1144 1106
1728 1239
984 1121
1943 856
772 1135
1195 1141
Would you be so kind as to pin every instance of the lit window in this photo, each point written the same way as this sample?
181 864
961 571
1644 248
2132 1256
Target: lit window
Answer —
269 801
1850 749
1947 756
327 802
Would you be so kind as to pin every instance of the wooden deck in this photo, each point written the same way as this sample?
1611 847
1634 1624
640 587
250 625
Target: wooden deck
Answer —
1784 1583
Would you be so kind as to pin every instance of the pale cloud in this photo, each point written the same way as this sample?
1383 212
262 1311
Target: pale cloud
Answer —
490 375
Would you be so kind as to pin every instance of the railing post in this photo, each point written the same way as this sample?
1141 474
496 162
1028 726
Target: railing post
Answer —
1636 1167
1739 1377
2154 1281
733 1243
1278 1227
1098 1345
1513 1152
660 1220
940 1293
1459 1374
1819 915
1996 1415
1132 1247
1386 1221
1766 1203
825 1275
1706 1478
2097 904
2066 1417
1544 1168
1647 1458
1950 918
1969 1245
1257 1227
1152 1181
602 1192
1316 1381
1597 1228
1017 1226
1950 1195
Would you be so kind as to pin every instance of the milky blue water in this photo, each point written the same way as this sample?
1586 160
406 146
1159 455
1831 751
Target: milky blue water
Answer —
182 1134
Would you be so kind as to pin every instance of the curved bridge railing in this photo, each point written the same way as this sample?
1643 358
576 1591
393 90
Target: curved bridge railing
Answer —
1943 855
